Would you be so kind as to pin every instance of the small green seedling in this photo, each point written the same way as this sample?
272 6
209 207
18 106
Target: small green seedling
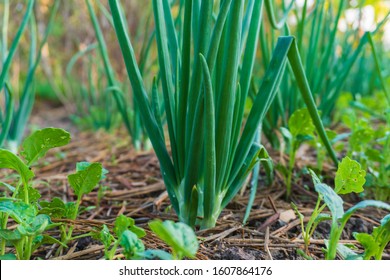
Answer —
349 178
127 235
179 236
22 206
369 141
375 243
301 128
87 177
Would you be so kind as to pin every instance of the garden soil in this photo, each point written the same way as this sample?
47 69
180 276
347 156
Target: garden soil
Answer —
134 187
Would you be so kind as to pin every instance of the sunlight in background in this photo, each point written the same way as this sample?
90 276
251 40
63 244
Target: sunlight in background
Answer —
365 20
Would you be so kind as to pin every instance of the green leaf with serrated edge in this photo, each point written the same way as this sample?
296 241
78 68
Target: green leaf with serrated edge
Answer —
179 236
369 244
38 226
300 123
349 177
332 200
21 212
80 166
83 182
156 254
131 244
55 209
41 141
123 223
11 161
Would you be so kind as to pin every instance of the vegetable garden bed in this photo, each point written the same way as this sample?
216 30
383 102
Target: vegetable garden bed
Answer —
134 187
208 129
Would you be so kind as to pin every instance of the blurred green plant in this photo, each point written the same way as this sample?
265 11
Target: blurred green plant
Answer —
15 118
328 54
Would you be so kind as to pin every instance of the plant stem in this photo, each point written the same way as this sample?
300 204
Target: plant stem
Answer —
5 220
309 227
290 167
28 247
334 238
70 231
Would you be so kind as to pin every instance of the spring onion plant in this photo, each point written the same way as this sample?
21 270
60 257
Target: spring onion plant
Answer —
328 56
17 119
7 57
204 94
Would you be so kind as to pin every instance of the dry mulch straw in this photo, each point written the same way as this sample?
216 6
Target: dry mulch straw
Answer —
135 189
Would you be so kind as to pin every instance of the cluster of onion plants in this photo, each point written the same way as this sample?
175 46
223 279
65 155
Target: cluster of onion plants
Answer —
330 57
205 74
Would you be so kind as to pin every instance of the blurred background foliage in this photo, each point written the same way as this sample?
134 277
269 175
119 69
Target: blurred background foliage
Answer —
73 32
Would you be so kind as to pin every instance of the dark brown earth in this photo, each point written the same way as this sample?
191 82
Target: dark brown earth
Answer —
135 188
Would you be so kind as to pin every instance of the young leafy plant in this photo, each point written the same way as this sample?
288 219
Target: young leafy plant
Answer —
87 177
22 206
376 242
127 235
369 141
179 236
349 178
204 104
300 129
